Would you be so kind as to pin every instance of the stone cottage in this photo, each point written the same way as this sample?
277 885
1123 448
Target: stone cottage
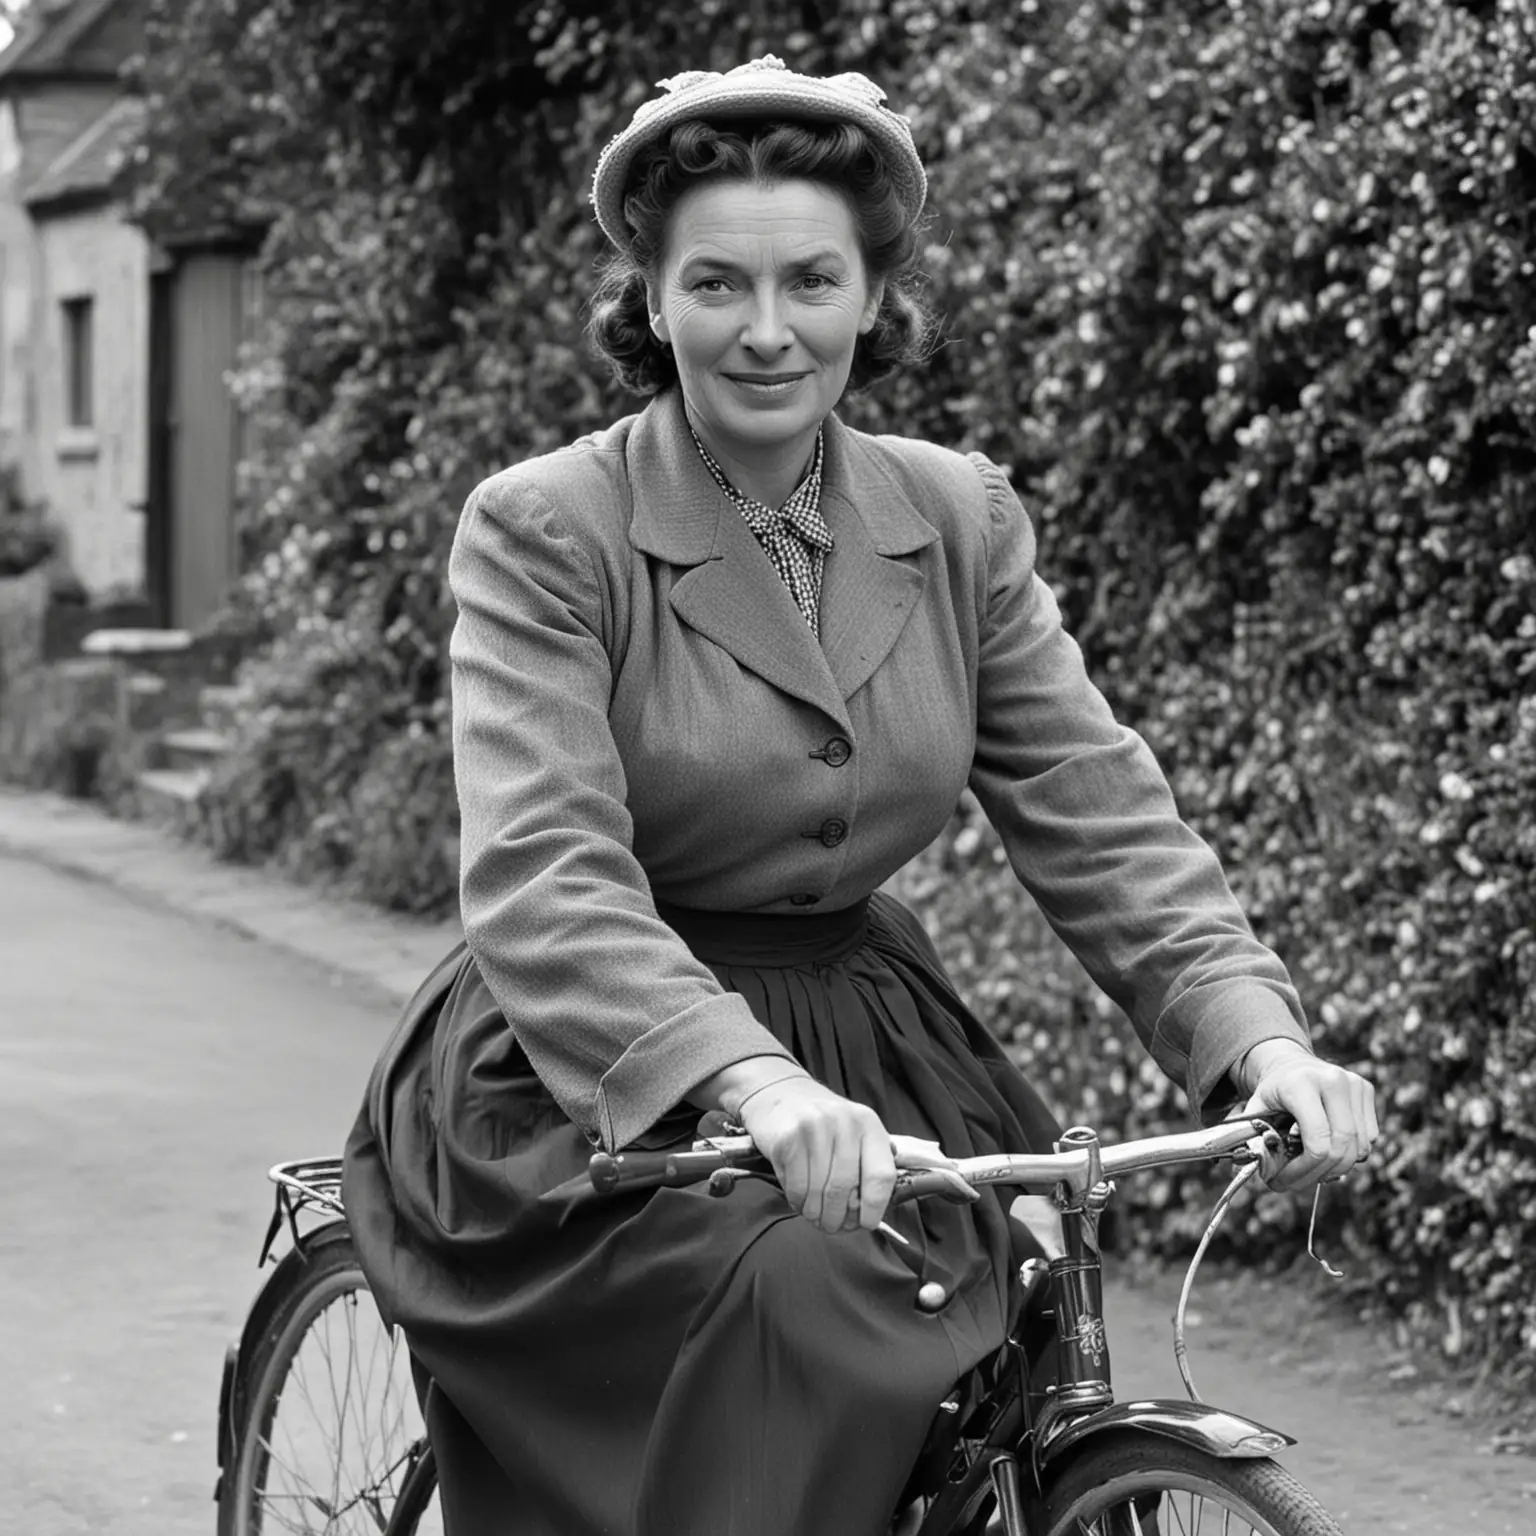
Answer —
114 351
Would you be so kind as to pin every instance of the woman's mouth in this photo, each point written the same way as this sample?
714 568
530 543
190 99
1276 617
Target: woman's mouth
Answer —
766 386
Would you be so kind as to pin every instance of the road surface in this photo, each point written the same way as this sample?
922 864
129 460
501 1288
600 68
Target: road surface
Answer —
153 1066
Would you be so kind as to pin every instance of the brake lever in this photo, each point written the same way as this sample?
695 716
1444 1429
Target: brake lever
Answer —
1272 1151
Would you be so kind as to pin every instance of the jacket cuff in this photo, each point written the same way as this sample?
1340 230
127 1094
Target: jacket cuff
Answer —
662 1065
1222 1024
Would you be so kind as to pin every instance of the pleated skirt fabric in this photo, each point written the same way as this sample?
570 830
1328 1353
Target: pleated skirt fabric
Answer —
667 1363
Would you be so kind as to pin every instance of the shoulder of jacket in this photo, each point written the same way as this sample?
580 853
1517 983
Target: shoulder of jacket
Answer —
582 487
965 489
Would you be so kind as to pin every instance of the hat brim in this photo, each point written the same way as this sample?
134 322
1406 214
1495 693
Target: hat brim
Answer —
800 98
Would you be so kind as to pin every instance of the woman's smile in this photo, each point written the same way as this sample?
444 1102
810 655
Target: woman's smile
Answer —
762 296
767 387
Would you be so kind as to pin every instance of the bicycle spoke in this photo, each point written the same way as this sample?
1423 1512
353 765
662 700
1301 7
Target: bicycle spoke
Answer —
1168 1507
342 1417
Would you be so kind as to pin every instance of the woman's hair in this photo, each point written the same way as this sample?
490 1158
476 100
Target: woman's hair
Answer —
838 156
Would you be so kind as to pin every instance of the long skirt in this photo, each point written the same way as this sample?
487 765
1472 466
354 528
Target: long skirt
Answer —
667 1363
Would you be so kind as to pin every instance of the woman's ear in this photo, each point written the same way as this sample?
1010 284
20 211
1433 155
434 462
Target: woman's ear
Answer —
657 318
872 308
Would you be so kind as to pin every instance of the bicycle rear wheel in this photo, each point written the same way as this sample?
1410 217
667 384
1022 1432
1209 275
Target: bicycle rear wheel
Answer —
1144 1485
330 1435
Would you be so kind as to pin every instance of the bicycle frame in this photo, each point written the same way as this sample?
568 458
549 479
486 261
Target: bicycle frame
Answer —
1006 1448
1012 1443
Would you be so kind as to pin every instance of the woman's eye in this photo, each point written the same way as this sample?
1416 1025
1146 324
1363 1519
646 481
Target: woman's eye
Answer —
816 281
710 285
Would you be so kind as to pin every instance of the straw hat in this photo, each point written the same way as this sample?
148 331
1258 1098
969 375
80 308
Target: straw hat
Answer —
763 88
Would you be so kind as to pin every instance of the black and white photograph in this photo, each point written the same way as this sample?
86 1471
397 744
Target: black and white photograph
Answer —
768 767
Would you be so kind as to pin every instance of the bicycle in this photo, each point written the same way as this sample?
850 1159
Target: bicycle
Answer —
319 1429
1038 1448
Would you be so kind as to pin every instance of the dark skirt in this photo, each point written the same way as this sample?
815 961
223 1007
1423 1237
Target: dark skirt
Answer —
665 1363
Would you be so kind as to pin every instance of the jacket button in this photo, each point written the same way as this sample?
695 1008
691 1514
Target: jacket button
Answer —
803 899
833 832
836 752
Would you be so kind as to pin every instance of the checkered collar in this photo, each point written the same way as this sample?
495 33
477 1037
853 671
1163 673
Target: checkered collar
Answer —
801 512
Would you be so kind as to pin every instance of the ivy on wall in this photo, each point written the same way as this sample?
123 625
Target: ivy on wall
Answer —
1242 294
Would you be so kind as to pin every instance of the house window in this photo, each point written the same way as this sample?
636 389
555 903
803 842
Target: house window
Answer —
78 362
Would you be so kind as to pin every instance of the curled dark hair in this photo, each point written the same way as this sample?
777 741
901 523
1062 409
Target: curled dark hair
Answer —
838 156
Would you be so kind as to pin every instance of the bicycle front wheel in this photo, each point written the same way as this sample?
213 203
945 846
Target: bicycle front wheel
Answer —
1144 1485
330 1434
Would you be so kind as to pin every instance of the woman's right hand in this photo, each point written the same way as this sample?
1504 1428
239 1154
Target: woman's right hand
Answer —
832 1156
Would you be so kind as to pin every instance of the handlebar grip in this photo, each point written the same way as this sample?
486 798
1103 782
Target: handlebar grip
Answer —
653 1170
932 1181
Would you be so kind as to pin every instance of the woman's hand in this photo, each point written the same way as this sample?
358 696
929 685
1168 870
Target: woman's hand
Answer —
1335 1111
832 1156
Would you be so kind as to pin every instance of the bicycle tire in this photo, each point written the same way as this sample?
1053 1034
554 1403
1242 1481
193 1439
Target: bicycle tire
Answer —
1094 1491
366 1479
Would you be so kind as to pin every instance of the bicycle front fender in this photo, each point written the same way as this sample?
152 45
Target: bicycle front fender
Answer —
1213 1430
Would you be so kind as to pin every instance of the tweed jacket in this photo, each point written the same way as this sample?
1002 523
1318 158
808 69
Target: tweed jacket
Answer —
641 713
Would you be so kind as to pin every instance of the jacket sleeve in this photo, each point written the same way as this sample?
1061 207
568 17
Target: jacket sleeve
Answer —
617 1017
1091 829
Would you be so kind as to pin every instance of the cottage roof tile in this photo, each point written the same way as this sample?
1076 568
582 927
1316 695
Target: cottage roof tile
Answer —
90 163
48 37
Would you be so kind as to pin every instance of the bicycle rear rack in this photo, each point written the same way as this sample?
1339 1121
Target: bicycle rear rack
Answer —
310 1184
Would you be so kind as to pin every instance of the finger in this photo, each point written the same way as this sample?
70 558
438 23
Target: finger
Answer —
842 1179
877 1176
851 1218
1344 1138
1360 1116
1304 1101
1372 1125
795 1173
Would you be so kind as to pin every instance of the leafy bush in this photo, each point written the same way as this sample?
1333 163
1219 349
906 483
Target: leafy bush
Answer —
1242 297
58 724
27 540
1260 287
23 621
404 817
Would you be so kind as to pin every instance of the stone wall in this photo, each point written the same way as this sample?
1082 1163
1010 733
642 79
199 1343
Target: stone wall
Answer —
95 479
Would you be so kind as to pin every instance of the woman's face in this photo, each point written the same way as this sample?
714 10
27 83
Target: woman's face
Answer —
762 295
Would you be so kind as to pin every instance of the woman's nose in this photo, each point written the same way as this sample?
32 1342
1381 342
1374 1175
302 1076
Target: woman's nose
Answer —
766 331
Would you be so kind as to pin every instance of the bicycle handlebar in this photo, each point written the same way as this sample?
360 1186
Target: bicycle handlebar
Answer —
1040 1172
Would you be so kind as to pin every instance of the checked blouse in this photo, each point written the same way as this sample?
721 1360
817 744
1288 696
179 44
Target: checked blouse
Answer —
795 537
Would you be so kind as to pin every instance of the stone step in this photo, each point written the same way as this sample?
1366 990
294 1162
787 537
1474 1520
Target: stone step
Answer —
196 748
219 704
145 685
168 795
147 704
136 644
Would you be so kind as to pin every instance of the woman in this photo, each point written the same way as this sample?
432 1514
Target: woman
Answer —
718 672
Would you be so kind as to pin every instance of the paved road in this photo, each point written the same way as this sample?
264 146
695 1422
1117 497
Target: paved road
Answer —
151 1067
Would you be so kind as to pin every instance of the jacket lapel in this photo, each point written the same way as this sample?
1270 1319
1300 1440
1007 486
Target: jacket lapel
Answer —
869 590
730 592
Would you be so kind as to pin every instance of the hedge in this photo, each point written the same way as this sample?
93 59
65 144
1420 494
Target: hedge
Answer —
1241 294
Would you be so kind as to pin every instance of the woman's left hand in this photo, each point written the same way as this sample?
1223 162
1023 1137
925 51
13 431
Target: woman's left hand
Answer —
1335 1111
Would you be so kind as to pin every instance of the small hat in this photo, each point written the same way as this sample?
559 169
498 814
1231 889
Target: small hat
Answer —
763 88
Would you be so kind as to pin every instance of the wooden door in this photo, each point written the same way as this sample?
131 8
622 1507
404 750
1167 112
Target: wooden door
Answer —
157 506
206 323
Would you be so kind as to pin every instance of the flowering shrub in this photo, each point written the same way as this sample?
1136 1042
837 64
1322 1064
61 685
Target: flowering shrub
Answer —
1242 296
1260 289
